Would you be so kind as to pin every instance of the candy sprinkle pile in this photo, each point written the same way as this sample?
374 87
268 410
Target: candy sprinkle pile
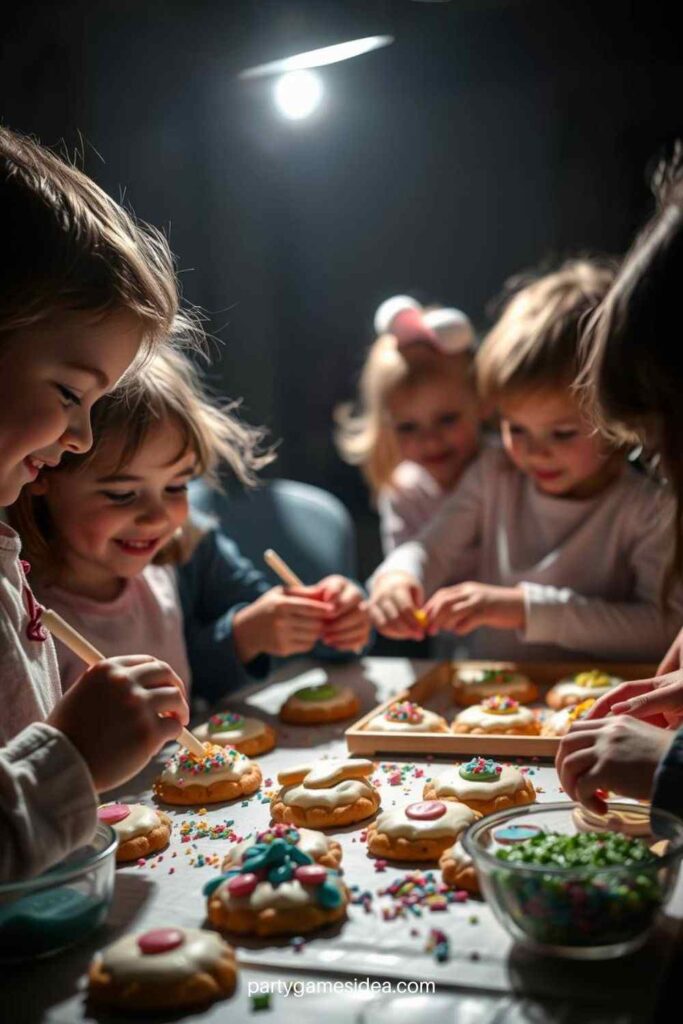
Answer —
404 711
500 705
417 891
190 830
215 759
480 769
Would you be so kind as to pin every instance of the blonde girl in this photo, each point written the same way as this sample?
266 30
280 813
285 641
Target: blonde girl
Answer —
417 427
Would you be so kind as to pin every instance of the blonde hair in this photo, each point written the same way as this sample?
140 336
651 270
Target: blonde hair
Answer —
535 342
166 387
363 434
68 246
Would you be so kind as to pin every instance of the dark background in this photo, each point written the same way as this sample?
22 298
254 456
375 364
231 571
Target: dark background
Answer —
492 135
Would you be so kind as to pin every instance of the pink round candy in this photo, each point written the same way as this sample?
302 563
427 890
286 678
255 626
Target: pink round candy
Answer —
311 874
160 940
426 810
243 885
113 813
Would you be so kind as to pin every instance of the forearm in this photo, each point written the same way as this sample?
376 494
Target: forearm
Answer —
667 790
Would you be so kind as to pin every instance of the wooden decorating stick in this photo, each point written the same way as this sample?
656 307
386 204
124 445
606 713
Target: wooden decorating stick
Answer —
281 569
72 639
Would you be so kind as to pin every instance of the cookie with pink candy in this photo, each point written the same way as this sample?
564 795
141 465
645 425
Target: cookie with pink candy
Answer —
163 969
498 714
482 784
420 831
222 774
141 830
407 716
250 736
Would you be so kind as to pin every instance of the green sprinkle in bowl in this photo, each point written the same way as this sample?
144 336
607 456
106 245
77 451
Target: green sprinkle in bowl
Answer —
565 887
42 916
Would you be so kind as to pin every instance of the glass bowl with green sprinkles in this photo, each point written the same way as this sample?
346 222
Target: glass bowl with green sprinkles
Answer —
563 890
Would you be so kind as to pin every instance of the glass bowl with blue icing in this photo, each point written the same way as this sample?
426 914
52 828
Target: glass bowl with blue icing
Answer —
566 883
43 915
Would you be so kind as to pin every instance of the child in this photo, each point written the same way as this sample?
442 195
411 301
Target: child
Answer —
565 541
418 425
84 291
97 528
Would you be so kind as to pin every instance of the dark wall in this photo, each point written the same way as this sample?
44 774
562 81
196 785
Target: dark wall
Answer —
491 135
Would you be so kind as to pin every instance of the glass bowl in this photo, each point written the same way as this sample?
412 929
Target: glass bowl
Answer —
584 912
43 915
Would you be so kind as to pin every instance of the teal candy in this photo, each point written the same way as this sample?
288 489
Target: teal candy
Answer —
282 873
277 852
328 895
299 856
211 886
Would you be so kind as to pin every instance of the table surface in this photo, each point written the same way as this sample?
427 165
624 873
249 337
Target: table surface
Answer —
511 985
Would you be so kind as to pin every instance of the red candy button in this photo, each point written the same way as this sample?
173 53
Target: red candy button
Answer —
311 874
113 813
426 810
242 885
161 940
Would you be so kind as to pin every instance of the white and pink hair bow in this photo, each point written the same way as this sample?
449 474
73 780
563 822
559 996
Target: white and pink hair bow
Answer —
448 330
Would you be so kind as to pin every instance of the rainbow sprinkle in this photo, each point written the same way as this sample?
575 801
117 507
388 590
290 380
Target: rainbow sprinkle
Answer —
480 769
404 711
500 705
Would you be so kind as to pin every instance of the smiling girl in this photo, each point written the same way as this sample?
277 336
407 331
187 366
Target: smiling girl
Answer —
554 547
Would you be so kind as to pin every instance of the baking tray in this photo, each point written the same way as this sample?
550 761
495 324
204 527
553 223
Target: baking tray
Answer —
433 690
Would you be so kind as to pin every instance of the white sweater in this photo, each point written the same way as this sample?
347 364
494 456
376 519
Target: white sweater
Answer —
591 569
407 504
48 805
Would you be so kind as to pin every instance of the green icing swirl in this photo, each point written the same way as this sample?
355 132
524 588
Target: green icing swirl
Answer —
324 691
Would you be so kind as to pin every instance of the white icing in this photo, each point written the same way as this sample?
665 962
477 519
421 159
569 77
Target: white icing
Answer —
251 727
479 718
201 951
322 773
395 823
477 676
315 844
287 896
568 688
558 723
139 822
629 823
451 783
235 768
345 792
430 723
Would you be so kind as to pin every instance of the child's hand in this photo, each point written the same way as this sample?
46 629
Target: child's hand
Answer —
280 622
673 658
348 628
467 606
619 754
111 715
658 701
395 598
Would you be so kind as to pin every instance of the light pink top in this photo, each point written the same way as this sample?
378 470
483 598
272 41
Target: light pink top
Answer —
407 504
591 570
146 618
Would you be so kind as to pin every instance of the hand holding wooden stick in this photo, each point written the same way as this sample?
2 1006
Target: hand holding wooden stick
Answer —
281 569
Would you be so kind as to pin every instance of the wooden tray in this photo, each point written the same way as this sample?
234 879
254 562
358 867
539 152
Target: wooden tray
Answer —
433 691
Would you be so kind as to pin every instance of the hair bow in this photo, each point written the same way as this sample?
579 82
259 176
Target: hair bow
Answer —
449 330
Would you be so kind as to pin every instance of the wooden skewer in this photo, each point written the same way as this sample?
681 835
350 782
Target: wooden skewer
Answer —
281 569
72 639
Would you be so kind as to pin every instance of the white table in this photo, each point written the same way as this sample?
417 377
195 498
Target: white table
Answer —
514 987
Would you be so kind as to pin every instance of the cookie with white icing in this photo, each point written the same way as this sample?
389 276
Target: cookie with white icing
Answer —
475 680
630 823
222 774
316 705
458 871
406 716
250 736
560 722
482 784
326 794
497 714
140 830
163 969
420 831
276 890
593 683
320 848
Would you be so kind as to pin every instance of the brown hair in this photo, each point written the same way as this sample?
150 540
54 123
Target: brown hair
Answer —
166 387
632 373
68 245
535 342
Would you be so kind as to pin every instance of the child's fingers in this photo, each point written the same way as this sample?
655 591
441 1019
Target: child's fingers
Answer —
672 660
305 607
151 674
585 788
666 698
573 768
575 740
167 700
623 692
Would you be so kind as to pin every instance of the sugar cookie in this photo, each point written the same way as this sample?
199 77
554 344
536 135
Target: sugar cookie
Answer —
560 722
164 969
457 869
327 794
420 831
497 714
630 823
593 683
406 716
141 830
483 785
315 845
276 890
223 774
472 681
315 705
250 736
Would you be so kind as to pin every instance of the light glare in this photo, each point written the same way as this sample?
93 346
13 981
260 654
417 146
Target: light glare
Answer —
297 94
318 58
